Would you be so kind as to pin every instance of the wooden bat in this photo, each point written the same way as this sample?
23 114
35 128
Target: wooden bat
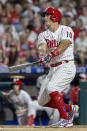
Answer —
21 66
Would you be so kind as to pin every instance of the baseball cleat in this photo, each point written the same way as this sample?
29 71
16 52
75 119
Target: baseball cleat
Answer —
63 123
75 109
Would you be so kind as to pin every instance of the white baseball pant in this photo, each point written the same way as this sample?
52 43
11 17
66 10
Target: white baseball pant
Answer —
58 79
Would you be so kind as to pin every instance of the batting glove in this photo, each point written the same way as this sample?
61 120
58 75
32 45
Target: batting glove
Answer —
51 55
48 58
42 60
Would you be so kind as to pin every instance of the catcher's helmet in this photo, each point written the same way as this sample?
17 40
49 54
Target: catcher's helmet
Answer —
17 82
55 14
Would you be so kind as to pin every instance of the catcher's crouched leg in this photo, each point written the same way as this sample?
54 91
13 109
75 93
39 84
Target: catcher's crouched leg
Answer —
43 98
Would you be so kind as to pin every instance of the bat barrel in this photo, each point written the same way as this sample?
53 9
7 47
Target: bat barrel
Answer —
21 66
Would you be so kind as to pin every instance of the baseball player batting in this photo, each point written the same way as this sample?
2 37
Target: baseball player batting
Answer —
56 48
22 103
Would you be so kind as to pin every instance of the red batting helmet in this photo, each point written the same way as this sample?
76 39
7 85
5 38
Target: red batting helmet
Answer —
55 14
17 82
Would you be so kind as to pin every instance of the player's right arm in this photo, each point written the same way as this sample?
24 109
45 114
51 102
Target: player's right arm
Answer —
5 93
41 45
42 49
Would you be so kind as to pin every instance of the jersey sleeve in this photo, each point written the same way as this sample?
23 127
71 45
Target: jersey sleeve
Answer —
67 34
41 39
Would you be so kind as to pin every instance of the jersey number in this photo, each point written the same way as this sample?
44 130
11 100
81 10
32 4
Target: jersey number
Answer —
69 34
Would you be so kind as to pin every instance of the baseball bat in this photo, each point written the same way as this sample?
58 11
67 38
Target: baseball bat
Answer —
21 66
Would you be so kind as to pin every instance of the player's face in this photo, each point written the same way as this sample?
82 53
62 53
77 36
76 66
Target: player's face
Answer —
48 21
16 88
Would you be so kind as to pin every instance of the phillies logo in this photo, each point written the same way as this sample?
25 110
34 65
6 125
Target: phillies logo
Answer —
51 43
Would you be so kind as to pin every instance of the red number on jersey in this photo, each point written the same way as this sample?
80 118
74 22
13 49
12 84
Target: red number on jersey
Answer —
69 34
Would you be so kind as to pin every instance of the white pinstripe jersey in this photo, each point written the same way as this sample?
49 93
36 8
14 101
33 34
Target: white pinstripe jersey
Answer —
52 40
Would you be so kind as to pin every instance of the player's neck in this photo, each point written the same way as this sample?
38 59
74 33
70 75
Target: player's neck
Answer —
54 27
17 93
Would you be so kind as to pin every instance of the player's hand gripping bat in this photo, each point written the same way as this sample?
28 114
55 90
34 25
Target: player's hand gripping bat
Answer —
21 66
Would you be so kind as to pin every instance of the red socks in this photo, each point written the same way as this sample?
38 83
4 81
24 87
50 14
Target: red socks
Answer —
52 105
30 120
68 107
58 102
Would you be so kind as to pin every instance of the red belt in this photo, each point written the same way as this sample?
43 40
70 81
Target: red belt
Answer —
59 63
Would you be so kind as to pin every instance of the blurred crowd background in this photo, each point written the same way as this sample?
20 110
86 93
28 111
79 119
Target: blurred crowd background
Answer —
20 25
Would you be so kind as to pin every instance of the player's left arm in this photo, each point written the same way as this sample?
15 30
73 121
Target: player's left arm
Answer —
64 44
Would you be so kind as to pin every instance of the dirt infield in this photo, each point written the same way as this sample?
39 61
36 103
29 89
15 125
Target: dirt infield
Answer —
24 128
